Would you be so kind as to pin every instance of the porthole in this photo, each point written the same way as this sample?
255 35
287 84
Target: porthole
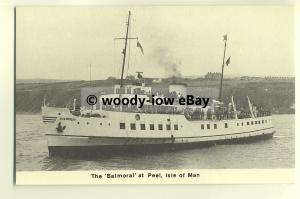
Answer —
122 125
143 127
168 126
160 127
152 127
132 126
175 126
208 126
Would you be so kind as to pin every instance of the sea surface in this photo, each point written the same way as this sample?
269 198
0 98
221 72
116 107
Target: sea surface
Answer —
278 152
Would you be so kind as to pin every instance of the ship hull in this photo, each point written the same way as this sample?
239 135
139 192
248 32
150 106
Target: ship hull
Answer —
139 133
92 146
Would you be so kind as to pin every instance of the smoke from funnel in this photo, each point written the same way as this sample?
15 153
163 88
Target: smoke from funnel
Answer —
163 57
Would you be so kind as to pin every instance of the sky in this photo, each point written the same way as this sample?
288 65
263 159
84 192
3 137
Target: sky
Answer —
62 42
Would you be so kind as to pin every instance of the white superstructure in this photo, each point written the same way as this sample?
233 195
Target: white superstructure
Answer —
167 127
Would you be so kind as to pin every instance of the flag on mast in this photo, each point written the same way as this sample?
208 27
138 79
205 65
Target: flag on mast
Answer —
228 61
138 44
225 37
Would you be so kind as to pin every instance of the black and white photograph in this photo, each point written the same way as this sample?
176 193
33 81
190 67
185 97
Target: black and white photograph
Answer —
154 88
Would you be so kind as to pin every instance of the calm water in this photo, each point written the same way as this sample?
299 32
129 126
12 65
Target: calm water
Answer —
32 152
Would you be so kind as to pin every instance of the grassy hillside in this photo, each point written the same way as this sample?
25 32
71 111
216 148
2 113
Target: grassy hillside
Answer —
276 95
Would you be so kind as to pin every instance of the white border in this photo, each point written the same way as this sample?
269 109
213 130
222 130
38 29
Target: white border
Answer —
202 176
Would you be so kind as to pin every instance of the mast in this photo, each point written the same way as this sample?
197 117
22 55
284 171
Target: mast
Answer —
124 51
250 107
221 83
44 101
90 74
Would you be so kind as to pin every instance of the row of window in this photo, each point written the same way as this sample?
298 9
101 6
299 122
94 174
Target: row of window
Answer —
226 125
215 126
168 126
255 122
151 126
160 126
99 123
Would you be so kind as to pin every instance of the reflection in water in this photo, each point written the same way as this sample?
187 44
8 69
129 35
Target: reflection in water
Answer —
32 152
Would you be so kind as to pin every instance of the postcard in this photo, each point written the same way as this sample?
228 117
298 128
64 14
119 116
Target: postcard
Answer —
154 95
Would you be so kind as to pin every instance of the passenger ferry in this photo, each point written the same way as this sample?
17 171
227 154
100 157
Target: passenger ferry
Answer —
108 129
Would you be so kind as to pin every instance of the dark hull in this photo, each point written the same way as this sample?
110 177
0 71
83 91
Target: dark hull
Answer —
88 152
